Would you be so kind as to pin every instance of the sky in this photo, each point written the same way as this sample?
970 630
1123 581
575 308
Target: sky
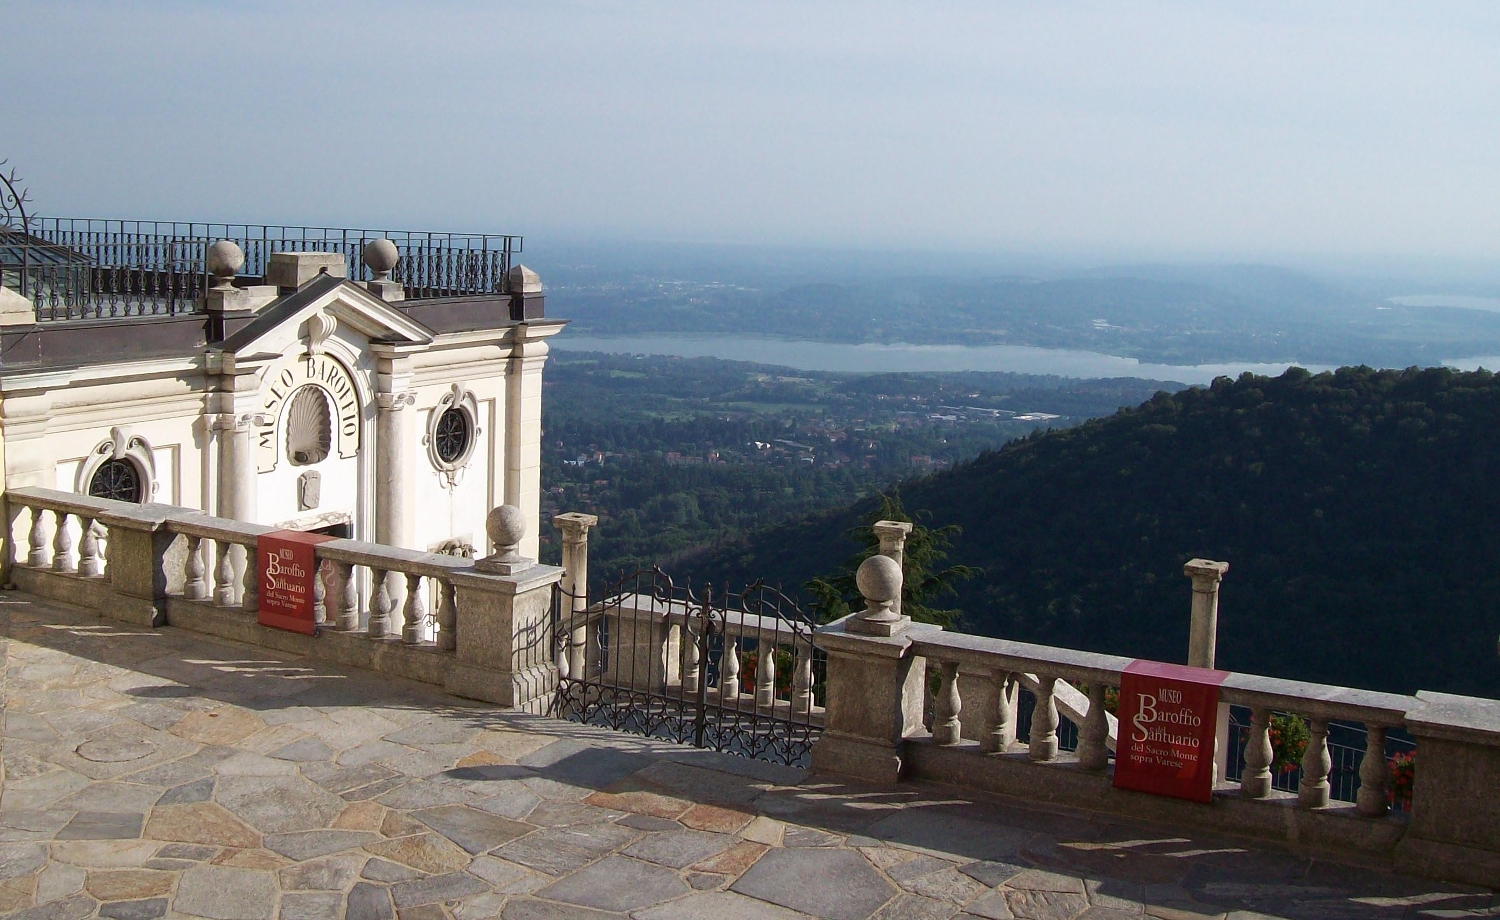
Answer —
1358 130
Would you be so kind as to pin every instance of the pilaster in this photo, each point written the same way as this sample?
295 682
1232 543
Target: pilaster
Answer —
523 428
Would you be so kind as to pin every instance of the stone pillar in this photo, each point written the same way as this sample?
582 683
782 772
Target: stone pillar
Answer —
142 569
523 428
504 616
892 536
874 687
1203 639
395 479
575 583
239 469
1452 834
238 466
231 308
1203 634
28 460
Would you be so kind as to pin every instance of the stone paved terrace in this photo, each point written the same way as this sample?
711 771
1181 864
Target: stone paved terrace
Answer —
158 773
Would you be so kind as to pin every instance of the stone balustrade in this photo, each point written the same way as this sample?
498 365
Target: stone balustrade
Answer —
883 724
429 617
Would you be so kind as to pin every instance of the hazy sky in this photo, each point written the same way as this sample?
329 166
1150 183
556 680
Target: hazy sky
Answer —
1140 129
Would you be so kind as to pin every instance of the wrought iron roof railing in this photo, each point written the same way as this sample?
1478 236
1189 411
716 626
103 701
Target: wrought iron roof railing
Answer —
84 268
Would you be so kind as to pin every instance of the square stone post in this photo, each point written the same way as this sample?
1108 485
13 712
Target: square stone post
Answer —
1455 819
505 640
874 685
143 567
506 644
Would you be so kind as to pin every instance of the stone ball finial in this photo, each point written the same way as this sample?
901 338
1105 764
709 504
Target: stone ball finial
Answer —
506 525
879 579
380 257
224 259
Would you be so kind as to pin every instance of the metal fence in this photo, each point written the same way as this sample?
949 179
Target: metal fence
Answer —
86 268
729 671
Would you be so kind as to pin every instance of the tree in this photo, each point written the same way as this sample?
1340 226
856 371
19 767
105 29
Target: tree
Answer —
837 595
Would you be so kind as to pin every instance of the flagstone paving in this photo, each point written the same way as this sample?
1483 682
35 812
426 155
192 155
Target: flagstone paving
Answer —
164 774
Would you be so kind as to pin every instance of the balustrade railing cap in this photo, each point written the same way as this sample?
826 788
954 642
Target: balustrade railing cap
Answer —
1455 718
149 516
527 579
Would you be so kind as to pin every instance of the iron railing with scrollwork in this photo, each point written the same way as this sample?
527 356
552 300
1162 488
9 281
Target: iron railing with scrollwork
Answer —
85 268
736 672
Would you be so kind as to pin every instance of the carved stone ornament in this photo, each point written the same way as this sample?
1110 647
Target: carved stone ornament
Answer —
452 433
319 327
309 490
125 446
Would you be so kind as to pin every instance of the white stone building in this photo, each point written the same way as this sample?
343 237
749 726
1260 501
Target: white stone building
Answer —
386 389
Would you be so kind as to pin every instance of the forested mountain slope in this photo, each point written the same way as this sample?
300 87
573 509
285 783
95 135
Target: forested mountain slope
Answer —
1359 512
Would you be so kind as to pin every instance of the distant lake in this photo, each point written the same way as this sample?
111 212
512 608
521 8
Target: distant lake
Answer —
832 356
1467 302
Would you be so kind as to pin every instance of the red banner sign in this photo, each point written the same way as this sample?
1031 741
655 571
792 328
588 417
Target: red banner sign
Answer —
287 569
1168 714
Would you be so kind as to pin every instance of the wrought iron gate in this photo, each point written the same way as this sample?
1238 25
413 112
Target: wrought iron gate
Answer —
729 671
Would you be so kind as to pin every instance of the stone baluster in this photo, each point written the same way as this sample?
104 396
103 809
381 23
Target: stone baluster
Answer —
62 544
36 557
415 612
447 618
562 657
90 562
195 580
802 679
1093 754
729 668
1255 782
380 605
946 728
1313 791
223 575
999 721
1373 799
1043 745
250 599
348 600
765 675
320 592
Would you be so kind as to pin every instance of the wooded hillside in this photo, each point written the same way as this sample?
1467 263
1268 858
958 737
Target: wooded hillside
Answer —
1358 510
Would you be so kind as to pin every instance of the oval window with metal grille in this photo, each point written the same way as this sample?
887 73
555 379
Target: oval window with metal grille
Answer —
118 480
452 436
309 427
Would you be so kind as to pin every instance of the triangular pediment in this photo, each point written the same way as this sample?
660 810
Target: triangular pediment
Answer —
281 323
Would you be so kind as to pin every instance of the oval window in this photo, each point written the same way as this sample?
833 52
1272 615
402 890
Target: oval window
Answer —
452 436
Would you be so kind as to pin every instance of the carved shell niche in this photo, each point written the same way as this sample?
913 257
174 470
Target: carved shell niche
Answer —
309 427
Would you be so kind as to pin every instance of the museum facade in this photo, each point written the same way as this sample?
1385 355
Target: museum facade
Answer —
368 384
